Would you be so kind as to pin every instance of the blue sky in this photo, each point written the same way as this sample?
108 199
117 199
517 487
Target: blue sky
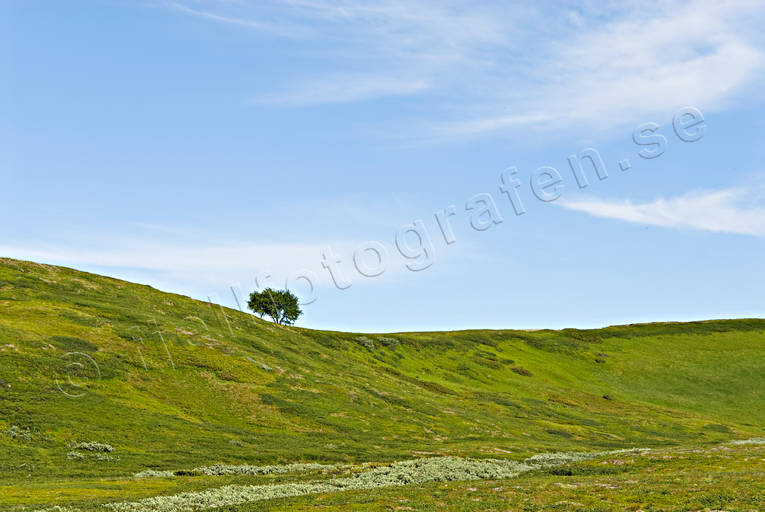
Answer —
200 145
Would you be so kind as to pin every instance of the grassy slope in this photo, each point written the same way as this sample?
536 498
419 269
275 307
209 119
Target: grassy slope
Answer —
329 398
723 478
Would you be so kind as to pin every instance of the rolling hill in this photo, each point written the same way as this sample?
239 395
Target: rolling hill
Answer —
165 382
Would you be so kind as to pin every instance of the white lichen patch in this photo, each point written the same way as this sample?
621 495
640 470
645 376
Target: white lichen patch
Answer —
91 446
223 469
413 472
755 440
151 473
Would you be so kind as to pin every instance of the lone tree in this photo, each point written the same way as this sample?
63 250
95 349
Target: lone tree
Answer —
281 305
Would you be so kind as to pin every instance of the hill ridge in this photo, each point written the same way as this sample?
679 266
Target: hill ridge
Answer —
186 389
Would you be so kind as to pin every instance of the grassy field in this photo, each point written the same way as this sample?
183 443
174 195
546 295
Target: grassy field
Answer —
170 383
726 477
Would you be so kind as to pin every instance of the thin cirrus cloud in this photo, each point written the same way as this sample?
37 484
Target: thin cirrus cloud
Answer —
641 64
199 267
493 67
342 89
207 261
272 28
199 270
733 210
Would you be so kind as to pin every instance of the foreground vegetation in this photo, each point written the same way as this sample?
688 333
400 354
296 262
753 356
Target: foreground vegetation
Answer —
167 383
728 477
722 478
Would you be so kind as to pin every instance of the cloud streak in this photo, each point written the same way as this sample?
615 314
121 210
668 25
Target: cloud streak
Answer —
200 262
484 68
343 89
734 210
276 29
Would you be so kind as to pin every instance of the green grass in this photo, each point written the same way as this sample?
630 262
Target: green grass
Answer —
184 384
703 479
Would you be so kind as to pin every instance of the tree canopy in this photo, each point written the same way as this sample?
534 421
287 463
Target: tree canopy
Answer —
281 305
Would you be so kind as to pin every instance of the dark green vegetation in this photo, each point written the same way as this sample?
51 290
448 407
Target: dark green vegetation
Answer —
281 305
173 383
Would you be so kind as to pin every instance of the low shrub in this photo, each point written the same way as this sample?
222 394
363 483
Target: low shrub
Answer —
187 472
365 342
755 440
388 342
73 455
411 472
22 434
102 457
520 370
419 471
560 458
244 469
716 427
222 469
151 473
91 446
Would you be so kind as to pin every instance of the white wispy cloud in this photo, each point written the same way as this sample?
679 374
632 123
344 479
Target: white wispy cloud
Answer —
201 267
342 89
205 264
733 210
492 67
644 63
274 28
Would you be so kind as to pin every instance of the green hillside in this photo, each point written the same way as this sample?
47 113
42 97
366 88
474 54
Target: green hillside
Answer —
172 383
